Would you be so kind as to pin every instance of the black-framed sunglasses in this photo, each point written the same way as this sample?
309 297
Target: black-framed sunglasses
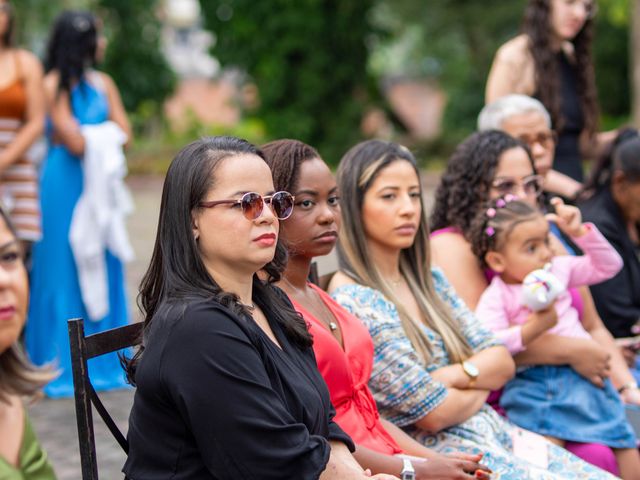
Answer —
252 204
531 185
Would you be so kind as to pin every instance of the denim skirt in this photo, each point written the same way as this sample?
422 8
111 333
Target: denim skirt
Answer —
559 402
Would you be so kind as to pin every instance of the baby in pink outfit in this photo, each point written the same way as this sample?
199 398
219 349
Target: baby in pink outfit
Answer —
501 307
512 238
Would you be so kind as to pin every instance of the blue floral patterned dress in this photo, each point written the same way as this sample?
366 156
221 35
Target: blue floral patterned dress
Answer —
405 391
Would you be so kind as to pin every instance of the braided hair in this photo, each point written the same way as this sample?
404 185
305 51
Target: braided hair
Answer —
491 227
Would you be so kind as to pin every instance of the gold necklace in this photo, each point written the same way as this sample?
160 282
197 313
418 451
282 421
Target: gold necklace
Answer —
333 326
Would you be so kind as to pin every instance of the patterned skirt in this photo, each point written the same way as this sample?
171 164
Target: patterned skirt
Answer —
488 433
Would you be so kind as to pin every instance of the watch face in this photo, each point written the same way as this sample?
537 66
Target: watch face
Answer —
408 473
470 369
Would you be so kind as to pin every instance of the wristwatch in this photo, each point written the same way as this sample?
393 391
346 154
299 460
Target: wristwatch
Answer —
472 372
408 472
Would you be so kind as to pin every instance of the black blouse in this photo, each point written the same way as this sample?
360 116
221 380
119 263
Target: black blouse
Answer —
568 158
618 299
217 399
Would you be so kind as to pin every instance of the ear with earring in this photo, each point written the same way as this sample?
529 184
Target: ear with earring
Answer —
194 229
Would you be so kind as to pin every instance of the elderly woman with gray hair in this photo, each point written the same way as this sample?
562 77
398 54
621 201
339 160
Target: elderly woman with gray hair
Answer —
526 119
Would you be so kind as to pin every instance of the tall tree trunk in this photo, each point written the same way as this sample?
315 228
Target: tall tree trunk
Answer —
635 60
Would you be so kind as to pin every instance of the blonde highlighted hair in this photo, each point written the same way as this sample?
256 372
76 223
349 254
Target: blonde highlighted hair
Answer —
358 169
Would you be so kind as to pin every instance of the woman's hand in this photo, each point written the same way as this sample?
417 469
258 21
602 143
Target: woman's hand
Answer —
453 466
343 466
451 376
546 318
592 362
538 323
567 217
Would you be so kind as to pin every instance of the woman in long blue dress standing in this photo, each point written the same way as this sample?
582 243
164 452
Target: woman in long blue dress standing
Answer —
76 95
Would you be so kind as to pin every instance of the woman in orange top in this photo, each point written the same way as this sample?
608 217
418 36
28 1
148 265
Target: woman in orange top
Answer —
22 112
343 347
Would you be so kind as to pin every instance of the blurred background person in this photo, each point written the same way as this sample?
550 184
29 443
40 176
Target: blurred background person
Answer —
551 60
611 201
22 111
77 95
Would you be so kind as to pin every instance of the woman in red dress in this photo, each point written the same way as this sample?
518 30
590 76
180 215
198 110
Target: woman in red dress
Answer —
343 347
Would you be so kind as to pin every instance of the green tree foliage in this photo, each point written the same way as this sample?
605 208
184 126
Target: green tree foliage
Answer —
455 44
460 37
133 56
308 59
611 53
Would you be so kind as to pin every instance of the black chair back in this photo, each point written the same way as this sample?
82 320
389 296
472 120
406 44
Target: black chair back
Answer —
82 349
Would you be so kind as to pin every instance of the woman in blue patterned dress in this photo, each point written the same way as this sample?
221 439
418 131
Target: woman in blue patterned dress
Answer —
434 364
76 95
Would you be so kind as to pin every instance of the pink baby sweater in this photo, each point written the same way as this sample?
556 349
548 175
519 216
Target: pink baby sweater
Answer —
500 307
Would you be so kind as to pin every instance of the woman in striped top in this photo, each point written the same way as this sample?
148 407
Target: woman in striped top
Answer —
22 112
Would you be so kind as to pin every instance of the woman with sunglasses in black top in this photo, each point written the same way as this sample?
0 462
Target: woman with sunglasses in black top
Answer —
227 383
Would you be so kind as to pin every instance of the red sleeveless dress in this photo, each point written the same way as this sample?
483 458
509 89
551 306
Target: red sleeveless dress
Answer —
346 373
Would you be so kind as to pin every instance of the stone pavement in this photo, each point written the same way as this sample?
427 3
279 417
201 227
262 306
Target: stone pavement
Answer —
54 420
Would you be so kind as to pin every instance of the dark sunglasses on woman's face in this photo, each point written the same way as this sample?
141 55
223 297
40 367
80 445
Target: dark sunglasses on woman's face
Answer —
531 185
252 204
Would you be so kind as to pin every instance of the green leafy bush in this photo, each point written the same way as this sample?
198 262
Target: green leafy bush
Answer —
308 59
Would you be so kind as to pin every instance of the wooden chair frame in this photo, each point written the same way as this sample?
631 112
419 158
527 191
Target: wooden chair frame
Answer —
84 348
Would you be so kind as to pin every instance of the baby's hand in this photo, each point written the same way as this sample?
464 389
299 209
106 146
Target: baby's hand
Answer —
567 217
546 318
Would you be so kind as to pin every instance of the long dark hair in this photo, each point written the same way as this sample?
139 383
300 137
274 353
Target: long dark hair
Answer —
72 47
622 154
466 182
537 26
7 38
176 272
